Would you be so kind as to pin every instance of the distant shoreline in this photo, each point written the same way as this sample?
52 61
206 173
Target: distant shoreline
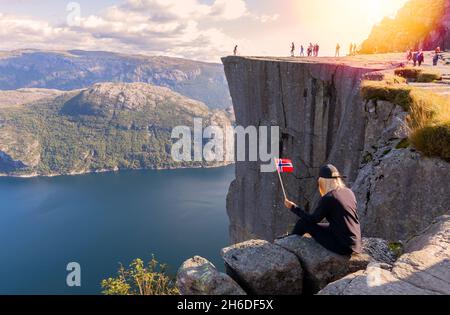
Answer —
31 176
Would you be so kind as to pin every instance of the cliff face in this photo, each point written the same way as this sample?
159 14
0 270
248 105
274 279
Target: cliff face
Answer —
323 119
419 24
318 109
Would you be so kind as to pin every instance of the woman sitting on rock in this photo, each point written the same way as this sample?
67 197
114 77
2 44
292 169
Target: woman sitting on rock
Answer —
342 233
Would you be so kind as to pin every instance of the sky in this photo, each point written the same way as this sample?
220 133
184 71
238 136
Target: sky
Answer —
195 29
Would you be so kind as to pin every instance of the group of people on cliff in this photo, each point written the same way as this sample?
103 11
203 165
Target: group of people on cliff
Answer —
311 51
418 57
353 50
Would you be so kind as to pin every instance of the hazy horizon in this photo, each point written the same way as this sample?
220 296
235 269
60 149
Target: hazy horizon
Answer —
202 30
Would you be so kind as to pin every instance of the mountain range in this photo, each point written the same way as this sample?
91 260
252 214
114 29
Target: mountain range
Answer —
108 126
76 69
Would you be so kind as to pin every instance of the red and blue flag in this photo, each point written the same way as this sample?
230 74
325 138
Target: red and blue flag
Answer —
284 165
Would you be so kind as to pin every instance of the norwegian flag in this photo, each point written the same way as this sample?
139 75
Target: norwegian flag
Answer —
284 166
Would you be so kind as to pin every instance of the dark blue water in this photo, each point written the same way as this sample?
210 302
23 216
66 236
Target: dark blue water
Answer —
100 220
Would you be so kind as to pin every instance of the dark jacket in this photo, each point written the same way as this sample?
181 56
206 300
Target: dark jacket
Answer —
339 208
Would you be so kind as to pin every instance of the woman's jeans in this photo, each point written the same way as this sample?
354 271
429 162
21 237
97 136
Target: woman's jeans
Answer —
322 234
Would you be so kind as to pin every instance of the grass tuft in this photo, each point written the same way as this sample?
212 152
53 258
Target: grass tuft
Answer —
403 144
428 119
427 77
398 94
421 75
433 140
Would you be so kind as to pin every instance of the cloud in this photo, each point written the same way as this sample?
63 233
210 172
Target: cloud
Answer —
182 28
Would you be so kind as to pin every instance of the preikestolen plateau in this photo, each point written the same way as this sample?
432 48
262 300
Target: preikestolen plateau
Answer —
220 155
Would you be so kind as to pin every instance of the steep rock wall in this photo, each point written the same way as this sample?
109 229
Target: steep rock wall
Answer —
321 118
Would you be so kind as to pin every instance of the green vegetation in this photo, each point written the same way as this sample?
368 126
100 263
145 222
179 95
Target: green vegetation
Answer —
421 75
396 248
428 119
408 72
433 140
403 144
398 94
141 279
78 134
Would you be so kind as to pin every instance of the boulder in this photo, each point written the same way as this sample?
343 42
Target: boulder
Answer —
426 263
197 276
320 265
424 268
400 192
376 280
262 268
386 123
379 250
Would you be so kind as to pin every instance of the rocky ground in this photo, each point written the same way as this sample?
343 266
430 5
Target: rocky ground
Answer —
424 268
296 266
402 195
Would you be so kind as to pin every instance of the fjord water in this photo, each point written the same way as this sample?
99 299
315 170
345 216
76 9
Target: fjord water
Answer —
99 220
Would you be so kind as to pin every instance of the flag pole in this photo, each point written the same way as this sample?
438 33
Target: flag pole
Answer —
281 180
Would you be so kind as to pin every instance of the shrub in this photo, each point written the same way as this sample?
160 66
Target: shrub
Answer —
139 279
427 108
396 248
433 140
408 73
428 119
394 79
403 144
398 94
429 76
421 75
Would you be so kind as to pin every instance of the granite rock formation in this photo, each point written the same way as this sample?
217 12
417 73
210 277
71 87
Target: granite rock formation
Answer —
197 276
262 268
424 269
323 119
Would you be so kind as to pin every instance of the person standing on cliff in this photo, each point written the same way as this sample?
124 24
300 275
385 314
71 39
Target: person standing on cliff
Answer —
342 233
415 58
302 51
292 49
409 55
435 59
235 51
420 58
338 50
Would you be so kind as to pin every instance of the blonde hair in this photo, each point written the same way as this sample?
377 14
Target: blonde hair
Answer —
329 184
